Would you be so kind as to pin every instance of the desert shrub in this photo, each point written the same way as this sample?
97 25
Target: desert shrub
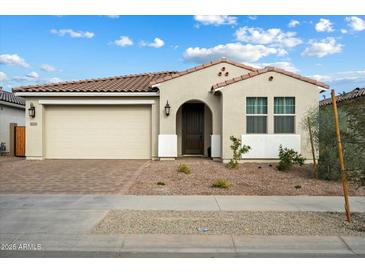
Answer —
352 129
161 183
238 149
289 157
221 183
184 169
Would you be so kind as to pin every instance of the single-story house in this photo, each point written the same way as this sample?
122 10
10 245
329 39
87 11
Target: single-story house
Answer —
12 109
165 115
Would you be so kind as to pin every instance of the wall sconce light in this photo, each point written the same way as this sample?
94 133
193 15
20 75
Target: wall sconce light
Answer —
31 110
167 109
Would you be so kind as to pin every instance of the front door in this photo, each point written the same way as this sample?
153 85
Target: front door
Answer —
193 128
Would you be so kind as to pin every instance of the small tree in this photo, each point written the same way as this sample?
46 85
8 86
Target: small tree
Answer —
238 149
289 157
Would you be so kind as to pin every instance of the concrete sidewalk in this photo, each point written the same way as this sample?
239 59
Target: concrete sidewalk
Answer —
62 225
148 245
208 203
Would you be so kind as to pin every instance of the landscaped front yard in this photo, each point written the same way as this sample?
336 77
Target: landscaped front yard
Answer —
141 177
163 178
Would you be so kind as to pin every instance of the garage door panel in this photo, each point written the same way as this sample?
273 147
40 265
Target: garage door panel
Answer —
98 132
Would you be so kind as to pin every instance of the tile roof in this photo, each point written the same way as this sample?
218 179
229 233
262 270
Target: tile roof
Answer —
269 69
124 83
190 70
11 98
352 95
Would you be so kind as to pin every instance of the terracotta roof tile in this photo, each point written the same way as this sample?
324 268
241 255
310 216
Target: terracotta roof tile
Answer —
200 67
352 95
268 69
11 98
124 83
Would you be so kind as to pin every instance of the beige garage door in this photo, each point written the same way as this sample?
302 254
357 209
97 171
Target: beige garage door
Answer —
98 132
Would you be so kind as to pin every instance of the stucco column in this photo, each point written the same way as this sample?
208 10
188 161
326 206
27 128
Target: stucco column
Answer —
34 147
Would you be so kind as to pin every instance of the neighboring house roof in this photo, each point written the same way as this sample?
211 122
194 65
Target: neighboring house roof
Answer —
9 97
124 83
190 70
352 95
269 69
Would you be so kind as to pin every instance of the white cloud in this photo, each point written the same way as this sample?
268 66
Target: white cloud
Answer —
344 31
352 76
3 76
252 17
157 43
324 25
12 59
30 77
274 37
53 80
48 68
73 33
235 51
322 48
113 16
33 75
123 41
356 23
216 20
293 23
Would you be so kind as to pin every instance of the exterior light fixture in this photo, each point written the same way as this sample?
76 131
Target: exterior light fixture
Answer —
31 110
167 109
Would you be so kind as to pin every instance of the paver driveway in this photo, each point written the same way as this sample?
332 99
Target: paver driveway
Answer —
69 176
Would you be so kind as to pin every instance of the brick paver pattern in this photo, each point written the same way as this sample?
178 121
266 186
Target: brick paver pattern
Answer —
69 176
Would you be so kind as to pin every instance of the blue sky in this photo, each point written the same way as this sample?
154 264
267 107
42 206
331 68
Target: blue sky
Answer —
41 49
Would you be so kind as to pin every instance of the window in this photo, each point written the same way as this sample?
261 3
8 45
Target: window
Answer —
256 114
284 115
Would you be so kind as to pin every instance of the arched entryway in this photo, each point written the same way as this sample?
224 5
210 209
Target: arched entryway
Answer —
194 128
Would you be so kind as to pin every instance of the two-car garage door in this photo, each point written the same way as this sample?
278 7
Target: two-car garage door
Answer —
98 132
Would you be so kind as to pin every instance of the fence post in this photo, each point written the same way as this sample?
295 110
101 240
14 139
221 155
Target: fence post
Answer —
11 144
345 184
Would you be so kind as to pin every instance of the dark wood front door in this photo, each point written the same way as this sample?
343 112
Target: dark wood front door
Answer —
193 128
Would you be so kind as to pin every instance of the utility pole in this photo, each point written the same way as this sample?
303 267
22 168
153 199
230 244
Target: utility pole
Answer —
345 184
315 172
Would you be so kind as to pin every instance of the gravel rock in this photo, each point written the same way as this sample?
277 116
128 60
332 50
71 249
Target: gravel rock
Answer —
246 179
232 223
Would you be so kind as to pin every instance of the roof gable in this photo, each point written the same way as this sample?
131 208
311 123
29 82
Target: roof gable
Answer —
269 69
200 67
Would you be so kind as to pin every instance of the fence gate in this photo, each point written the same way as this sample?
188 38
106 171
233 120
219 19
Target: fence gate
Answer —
19 141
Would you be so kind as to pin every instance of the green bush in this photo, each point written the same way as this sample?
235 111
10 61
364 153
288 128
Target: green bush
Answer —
221 183
238 149
288 158
184 169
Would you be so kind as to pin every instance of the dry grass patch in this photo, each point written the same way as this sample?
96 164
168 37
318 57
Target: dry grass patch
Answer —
184 169
221 183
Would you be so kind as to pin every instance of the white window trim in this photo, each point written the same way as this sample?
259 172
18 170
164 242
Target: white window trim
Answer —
286 114
261 114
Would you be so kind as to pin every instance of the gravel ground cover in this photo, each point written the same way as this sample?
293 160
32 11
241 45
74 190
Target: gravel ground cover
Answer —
231 223
247 179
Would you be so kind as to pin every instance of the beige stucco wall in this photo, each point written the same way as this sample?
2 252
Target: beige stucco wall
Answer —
194 86
35 131
234 105
9 114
